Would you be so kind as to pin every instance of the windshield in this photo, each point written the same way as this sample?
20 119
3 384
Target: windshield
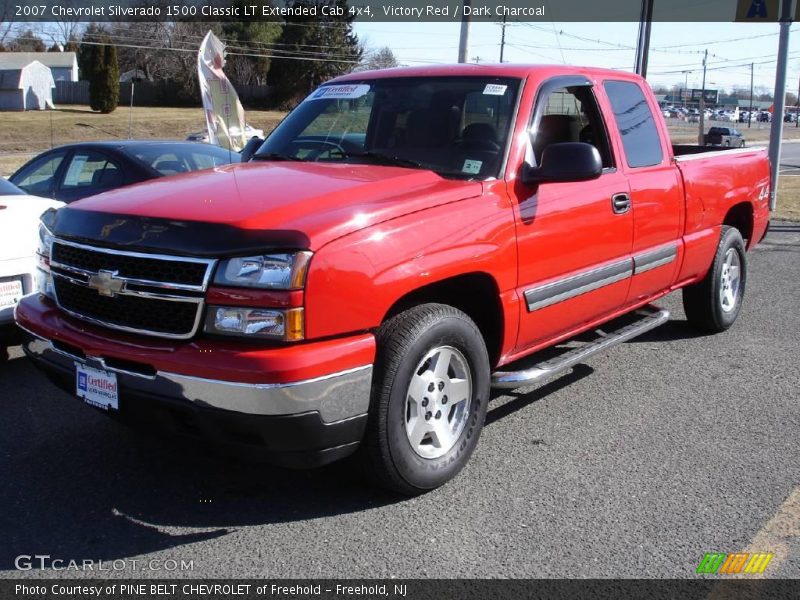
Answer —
8 189
456 126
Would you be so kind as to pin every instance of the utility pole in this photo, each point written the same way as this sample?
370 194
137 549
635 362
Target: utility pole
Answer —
701 137
643 42
797 107
750 112
463 40
503 37
779 104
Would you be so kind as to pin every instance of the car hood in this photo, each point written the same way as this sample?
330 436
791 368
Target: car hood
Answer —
254 206
19 219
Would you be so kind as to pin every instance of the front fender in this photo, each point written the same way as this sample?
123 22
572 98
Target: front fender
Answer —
354 280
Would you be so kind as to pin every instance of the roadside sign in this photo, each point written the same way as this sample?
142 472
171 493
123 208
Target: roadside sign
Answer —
757 11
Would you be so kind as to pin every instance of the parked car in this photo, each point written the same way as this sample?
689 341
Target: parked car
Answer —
725 136
19 221
202 136
389 254
75 171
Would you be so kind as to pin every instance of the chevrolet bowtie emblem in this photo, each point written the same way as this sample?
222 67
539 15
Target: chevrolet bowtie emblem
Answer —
106 283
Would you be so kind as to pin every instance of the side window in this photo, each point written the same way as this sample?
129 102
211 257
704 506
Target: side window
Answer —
37 179
571 114
635 122
91 169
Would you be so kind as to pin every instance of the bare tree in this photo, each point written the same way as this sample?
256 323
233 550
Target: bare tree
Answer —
382 58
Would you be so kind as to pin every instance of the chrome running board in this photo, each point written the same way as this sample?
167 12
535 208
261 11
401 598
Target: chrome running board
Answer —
650 318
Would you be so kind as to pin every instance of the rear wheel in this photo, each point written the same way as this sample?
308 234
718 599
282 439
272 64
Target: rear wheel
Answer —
429 398
713 304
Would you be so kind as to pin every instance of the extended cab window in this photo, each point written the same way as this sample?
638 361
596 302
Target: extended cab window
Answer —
571 114
635 122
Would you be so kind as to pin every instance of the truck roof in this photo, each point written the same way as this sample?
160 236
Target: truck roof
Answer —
520 71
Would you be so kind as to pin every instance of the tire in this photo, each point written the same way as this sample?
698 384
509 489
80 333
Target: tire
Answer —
412 444
713 304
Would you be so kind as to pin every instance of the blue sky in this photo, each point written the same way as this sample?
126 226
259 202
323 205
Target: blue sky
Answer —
675 47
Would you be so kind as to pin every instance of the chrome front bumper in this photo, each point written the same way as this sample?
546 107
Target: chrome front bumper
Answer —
335 397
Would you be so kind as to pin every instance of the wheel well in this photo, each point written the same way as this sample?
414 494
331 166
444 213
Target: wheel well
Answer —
476 294
741 217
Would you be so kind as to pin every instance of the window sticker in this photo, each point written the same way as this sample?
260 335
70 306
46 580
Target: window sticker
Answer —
348 92
494 89
473 167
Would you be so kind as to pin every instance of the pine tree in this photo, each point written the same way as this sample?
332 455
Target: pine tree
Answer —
104 79
322 49
94 59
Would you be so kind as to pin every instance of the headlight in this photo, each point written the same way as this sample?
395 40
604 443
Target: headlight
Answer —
270 271
265 323
45 241
44 281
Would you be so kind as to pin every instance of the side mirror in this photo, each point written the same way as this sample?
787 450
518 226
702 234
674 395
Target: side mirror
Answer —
568 161
250 148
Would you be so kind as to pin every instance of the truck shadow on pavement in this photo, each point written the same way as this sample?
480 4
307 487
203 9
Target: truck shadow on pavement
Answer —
77 485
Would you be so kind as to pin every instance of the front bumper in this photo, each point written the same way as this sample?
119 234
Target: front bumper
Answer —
299 423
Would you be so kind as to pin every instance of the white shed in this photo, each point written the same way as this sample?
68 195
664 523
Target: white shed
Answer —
27 88
63 65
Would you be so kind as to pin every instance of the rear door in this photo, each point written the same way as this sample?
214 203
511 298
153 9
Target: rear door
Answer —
573 243
656 193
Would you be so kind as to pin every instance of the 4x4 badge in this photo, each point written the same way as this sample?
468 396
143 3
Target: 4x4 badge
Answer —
106 283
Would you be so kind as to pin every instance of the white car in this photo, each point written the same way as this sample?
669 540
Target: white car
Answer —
19 222
249 132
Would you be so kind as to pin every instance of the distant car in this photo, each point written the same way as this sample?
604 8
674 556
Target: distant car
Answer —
75 171
725 136
19 218
249 132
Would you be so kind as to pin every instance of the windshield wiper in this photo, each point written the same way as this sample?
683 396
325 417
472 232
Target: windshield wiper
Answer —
275 156
386 159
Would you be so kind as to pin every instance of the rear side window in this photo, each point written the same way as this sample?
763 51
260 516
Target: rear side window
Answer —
635 122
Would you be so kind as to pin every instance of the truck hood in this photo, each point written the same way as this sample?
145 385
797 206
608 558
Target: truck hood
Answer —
255 206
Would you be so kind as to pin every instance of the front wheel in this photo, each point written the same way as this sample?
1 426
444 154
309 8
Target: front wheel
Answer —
713 304
429 398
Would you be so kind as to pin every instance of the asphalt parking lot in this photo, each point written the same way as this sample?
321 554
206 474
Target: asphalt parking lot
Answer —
634 465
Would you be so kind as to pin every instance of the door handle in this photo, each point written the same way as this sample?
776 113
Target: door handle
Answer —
620 203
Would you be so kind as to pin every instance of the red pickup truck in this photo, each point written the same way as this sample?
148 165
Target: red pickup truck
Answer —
401 243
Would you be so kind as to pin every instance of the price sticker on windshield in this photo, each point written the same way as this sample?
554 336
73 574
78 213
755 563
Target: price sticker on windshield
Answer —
339 92
494 89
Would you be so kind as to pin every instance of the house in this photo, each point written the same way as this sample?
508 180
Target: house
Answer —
63 65
26 88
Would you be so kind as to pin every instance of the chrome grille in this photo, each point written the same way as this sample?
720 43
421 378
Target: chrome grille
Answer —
149 294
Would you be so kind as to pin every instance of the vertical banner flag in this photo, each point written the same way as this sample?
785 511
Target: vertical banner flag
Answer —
224 112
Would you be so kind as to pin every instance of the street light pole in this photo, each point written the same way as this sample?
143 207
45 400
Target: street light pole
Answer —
463 40
685 85
503 37
750 112
701 138
779 102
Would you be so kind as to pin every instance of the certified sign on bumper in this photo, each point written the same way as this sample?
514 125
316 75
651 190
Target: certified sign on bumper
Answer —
96 387
10 292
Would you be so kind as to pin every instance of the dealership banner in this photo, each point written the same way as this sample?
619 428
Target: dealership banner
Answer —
397 589
747 11
224 112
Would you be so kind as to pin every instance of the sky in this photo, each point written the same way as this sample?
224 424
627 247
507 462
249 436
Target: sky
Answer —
675 47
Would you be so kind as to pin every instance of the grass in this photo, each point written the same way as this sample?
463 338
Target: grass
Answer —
788 204
25 134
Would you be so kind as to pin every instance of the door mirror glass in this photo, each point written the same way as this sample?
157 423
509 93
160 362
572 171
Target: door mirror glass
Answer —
567 161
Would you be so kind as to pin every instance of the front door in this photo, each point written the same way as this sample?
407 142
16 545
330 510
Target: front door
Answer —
574 239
